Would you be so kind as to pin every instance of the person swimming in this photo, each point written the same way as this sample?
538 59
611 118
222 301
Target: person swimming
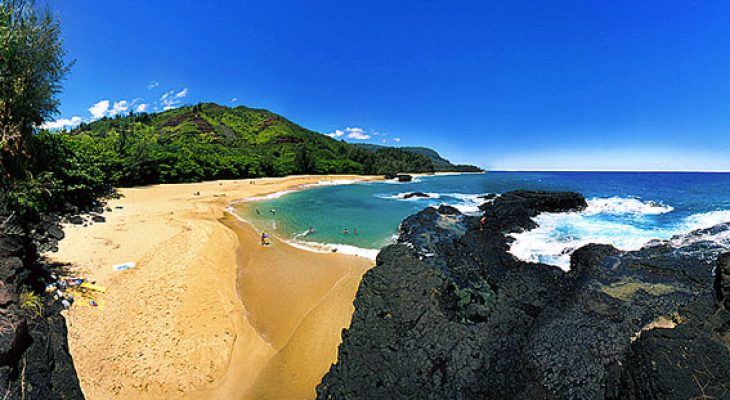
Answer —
346 232
354 231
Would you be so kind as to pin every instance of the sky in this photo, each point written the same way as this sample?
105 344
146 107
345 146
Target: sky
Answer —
506 85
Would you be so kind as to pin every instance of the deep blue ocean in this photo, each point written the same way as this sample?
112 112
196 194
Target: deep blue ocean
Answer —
625 209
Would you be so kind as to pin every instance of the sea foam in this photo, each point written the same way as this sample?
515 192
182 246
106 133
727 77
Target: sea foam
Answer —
559 234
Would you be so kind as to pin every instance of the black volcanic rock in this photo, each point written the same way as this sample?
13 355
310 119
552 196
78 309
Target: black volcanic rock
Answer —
447 312
34 358
416 194
404 178
722 281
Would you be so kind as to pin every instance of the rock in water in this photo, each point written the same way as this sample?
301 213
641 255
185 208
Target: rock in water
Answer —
404 178
448 313
416 194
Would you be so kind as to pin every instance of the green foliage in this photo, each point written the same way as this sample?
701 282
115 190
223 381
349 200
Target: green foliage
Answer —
204 141
31 302
31 69
32 194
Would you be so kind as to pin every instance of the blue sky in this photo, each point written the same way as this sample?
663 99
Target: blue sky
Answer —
620 85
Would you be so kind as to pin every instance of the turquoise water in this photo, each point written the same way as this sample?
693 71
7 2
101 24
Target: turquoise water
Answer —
625 209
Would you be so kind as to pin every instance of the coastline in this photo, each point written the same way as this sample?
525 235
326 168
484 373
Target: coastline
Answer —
175 327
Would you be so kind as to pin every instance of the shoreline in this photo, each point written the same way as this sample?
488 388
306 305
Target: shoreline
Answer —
174 326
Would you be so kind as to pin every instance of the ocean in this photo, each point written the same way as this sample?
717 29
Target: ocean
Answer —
625 209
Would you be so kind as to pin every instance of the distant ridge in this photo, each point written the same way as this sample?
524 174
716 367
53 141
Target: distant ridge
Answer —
210 141
438 161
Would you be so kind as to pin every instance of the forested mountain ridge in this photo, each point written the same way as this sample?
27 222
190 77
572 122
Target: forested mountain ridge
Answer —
208 141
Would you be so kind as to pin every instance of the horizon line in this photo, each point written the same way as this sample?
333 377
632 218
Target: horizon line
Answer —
612 170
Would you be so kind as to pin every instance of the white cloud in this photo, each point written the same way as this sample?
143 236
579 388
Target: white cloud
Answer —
171 99
118 107
397 140
357 133
99 109
353 133
141 108
235 99
384 141
152 85
336 133
62 123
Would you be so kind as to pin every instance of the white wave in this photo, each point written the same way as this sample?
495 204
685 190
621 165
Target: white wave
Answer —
333 182
270 196
558 235
705 220
333 247
625 205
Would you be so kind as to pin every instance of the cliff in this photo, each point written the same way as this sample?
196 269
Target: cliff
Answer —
448 313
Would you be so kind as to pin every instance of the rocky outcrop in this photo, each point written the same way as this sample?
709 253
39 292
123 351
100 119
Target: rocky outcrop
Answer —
722 281
448 313
34 359
404 178
416 194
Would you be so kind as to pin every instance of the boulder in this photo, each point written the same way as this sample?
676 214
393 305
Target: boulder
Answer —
404 178
76 220
98 218
446 209
415 194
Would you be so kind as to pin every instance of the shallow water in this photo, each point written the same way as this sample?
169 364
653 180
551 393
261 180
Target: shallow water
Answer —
625 209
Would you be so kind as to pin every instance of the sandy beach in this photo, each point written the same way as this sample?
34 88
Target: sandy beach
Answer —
207 312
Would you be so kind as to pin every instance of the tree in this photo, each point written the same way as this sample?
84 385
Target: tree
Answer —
303 160
32 67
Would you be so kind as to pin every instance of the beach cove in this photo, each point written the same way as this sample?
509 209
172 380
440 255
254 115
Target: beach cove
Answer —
207 312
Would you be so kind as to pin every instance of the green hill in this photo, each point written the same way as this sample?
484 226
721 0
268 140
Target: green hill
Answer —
439 163
210 141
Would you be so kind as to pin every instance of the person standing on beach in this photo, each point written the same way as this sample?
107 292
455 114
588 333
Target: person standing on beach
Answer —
482 222
263 238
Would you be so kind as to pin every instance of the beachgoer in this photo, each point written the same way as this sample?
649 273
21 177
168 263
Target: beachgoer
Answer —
346 232
263 238
257 212
310 230
273 211
482 222
354 231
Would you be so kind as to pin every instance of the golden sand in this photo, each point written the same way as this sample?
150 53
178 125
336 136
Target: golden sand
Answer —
175 326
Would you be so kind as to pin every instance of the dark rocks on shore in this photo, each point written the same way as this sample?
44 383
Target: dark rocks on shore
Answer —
34 358
447 312
404 178
415 194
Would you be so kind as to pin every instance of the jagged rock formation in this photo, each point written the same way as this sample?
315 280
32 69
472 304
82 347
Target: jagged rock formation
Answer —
34 359
448 313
